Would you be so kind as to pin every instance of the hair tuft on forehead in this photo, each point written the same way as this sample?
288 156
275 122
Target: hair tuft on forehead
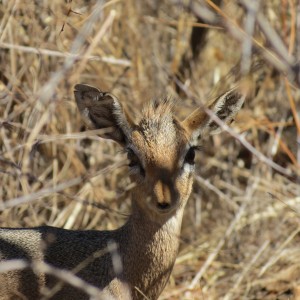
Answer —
159 108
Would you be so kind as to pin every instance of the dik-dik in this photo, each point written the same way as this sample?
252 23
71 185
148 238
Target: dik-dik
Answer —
161 152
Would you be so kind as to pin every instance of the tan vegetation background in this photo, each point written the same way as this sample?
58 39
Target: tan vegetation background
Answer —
240 236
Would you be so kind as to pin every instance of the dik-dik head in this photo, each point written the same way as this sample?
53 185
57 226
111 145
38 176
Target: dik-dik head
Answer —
160 148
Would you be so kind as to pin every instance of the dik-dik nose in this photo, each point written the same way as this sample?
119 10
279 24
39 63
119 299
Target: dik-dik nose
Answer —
163 195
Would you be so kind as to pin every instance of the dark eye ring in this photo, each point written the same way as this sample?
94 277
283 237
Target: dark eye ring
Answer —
190 156
131 156
134 161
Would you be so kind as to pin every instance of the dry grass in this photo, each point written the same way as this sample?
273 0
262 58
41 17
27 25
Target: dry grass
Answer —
241 234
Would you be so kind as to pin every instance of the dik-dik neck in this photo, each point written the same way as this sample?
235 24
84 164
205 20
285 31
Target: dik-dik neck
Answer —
151 248
154 228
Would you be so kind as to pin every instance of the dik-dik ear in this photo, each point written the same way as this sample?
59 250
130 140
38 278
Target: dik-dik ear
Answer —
224 107
101 110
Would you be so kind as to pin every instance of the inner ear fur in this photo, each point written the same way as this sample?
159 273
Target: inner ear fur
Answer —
225 107
102 110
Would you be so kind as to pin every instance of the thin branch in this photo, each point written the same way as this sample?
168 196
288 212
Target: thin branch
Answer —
63 275
75 57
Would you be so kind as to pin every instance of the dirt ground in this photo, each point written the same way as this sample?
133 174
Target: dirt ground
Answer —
241 232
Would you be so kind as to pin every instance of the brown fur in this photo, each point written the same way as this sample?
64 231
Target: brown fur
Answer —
159 149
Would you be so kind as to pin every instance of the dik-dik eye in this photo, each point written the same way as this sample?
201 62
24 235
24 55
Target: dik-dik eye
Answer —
134 162
190 156
133 159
